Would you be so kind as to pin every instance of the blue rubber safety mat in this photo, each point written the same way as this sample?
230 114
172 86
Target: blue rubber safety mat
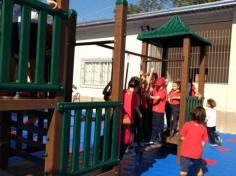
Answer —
217 160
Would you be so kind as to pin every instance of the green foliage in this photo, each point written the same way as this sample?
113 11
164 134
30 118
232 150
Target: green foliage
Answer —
152 5
146 6
179 3
133 9
149 5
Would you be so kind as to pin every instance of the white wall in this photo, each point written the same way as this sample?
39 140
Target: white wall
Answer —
89 52
93 51
231 106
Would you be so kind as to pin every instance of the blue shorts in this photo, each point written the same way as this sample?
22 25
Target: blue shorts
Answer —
185 164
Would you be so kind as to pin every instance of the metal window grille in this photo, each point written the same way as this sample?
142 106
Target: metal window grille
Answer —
95 73
217 66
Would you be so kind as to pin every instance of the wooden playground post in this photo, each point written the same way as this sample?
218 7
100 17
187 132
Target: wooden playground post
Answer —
119 50
184 84
164 63
144 59
202 66
52 160
118 60
4 139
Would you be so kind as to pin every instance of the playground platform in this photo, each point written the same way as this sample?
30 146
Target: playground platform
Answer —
217 161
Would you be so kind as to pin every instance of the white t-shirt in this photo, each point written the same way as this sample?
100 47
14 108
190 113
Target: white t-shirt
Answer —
210 117
17 13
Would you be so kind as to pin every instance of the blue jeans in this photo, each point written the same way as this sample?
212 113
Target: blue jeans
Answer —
157 127
174 110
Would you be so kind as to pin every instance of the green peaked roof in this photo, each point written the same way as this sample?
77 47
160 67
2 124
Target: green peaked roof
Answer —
171 34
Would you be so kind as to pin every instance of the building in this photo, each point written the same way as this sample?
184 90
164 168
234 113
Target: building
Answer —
215 21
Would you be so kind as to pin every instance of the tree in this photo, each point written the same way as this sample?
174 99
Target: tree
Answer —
133 9
149 5
146 6
152 5
179 3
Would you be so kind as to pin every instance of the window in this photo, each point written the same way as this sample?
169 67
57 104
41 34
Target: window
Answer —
95 73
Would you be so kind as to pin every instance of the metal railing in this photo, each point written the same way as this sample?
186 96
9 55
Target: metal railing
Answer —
20 83
90 136
192 102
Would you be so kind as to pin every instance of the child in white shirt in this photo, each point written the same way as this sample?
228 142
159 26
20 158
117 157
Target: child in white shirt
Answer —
211 121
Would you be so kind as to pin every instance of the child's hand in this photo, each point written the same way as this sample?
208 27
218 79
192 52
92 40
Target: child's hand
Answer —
53 4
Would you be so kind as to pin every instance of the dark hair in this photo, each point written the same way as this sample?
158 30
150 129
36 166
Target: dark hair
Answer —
134 82
211 102
198 114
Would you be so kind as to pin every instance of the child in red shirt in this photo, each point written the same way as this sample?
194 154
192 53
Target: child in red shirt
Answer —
159 98
130 105
174 102
193 135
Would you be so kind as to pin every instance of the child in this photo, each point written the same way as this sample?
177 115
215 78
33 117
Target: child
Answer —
211 121
158 108
193 135
130 105
174 102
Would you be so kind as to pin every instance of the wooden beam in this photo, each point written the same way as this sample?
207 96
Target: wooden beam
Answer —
132 53
4 139
64 4
143 65
119 52
118 59
148 58
69 58
52 159
202 66
26 104
164 66
184 84
95 43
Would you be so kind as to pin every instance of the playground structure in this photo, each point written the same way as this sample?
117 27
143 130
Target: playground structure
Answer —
65 148
174 34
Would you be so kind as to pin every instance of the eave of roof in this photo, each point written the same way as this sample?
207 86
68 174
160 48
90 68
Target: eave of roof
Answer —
166 12
171 34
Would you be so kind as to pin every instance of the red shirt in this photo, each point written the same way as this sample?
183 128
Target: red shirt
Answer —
172 94
159 105
192 90
130 100
194 134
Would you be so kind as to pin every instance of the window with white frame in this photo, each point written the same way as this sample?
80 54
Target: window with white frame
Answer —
95 73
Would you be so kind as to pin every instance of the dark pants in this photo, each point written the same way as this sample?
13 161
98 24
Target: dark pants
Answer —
157 127
147 124
174 110
138 133
211 134
168 115
185 164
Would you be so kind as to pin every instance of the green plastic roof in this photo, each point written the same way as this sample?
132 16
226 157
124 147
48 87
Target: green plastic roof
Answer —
171 34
